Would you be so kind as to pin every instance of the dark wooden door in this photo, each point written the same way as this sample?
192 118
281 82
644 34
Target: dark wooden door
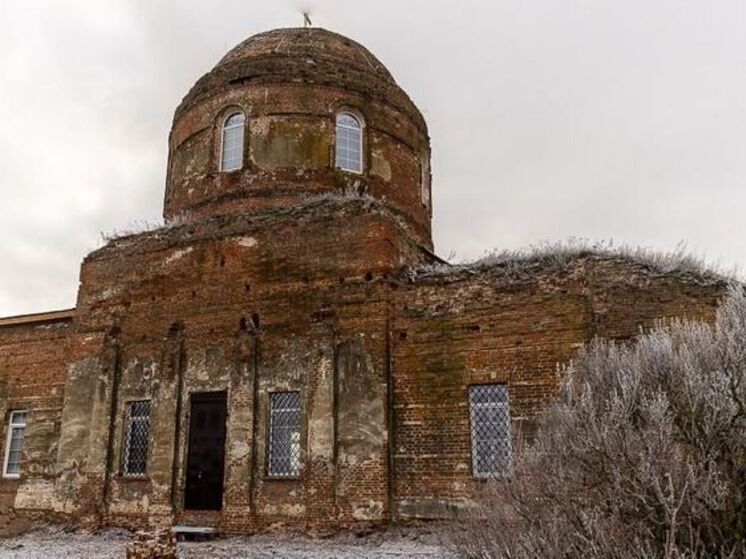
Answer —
206 453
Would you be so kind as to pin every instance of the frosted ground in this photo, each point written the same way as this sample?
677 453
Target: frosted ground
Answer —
53 542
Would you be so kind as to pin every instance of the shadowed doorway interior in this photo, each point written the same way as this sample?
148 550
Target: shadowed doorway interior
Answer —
206 454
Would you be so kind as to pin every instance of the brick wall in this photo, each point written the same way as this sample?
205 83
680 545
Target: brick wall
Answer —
260 285
515 324
287 300
330 300
33 369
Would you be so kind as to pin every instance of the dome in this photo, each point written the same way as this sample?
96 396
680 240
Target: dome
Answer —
310 44
303 55
291 114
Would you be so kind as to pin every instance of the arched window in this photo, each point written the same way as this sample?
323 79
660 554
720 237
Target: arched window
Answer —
231 147
349 151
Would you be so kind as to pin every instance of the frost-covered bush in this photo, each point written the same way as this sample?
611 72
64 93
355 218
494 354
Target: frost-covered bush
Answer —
643 454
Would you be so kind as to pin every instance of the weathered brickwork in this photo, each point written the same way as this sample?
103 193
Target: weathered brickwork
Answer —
33 368
290 84
513 324
290 275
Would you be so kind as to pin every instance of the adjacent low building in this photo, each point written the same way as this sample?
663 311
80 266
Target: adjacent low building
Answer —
288 350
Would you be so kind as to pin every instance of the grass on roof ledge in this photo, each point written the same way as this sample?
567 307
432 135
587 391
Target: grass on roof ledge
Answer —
561 254
139 227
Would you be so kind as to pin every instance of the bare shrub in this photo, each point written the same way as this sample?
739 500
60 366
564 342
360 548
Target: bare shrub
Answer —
643 454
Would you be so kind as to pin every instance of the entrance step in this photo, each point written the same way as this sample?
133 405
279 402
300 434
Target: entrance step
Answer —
194 532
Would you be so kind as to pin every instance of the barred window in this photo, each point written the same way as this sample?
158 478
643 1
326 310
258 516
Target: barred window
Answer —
136 438
490 430
231 151
349 149
14 444
284 434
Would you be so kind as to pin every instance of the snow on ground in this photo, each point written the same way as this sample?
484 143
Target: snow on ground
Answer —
55 542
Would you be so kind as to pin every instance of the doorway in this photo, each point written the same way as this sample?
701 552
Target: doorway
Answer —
206 452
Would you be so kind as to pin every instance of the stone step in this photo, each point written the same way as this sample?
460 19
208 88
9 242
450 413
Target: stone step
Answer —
204 530
194 533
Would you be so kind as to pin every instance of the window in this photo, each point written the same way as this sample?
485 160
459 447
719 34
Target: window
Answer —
136 438
231 151
14 445
284 434
425 180
349 143
490 430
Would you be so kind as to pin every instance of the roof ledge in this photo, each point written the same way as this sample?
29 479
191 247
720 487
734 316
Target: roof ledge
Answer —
38 318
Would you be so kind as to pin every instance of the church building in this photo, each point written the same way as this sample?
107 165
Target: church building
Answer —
288 350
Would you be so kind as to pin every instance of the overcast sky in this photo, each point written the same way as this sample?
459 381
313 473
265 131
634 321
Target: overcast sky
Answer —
603 119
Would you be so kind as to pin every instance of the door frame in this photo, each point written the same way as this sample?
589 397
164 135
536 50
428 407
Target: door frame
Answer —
203 395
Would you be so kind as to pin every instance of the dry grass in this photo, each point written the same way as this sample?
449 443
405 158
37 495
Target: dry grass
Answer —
561 255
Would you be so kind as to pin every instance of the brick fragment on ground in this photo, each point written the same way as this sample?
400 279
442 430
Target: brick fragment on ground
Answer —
157 544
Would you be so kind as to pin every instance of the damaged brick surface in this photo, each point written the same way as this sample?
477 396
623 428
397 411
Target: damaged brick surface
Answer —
290 84
158 544
517 324
292 276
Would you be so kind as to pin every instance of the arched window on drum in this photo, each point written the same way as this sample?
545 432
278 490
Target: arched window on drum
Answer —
231 144
349 143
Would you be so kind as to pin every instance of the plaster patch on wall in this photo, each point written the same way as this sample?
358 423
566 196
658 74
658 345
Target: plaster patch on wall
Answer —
67 487
284 510
286 142
177 255
434 508
368 511
260 126
140 371
35 494
247 242
293 362
361 432
380 166
207 369
321 420
127 506
239 450
107 293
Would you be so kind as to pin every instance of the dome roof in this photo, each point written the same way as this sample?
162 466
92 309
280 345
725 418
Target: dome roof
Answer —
314 45
302 55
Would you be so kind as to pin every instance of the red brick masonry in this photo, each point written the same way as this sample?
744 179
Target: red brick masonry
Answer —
291 275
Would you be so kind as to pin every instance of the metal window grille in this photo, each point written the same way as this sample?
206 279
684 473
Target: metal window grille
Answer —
136 438
231 157
284 434
491 450
14 445
349 143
